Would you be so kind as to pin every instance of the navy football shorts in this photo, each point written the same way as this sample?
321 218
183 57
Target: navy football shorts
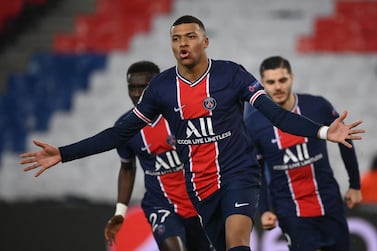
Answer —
166 223
237 197
329 232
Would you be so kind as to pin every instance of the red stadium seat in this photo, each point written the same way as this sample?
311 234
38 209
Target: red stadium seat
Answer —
62 43
305 44
37 2
351 29
67 43
356 9
112 26
9 10
134 6
102 32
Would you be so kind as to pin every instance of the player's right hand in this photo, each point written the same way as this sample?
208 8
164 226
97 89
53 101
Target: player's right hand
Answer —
47 157
268 220
112 228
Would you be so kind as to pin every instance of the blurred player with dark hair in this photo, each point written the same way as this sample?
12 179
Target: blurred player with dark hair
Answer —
167 207
305 196
203 101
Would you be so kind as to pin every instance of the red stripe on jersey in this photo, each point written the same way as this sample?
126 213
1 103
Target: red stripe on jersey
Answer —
286 140
205 169
256 95
204 156
304 191
155 137
192 97
173 184
174 187
301 180
141 116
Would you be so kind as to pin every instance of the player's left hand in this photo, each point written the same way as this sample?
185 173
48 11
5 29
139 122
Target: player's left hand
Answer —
352 197
112 228
340 132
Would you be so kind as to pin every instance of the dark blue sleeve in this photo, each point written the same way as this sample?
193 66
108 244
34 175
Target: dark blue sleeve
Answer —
265 200
348 154
287 121
106 140
350 162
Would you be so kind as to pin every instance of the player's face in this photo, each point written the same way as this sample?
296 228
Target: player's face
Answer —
278 85
188 43
137 82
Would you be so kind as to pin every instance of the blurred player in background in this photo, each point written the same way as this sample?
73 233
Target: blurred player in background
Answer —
369 183
203 101
173 219
304 194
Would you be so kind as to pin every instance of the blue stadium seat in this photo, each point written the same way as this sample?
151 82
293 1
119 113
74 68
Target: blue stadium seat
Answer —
47 86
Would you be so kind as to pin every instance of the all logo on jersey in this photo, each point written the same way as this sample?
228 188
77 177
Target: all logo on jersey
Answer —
201 131
296 159
209 103
166 162
170 161
205 129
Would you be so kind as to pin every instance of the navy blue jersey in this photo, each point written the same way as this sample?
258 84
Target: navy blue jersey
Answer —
206 118
163 170
301 181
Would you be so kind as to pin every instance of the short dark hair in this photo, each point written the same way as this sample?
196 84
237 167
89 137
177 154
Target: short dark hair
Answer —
274 62
187 19
143 66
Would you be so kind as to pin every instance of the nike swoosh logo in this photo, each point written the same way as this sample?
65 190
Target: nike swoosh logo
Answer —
145 148
274 141
241 204
177 109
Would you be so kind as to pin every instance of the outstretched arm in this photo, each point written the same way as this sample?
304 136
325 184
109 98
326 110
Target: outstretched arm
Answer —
105 140
299 125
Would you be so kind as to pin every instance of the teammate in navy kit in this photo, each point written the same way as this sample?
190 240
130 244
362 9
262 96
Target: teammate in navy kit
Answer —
304 195
203 101
173 219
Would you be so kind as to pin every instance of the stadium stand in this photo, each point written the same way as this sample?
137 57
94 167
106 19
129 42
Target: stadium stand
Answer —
352 28
32 30
51 79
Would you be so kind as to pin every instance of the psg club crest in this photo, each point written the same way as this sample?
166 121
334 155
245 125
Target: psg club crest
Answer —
161 229
209 103
170 140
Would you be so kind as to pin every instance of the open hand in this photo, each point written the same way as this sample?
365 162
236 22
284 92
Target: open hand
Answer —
43 159
339 132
